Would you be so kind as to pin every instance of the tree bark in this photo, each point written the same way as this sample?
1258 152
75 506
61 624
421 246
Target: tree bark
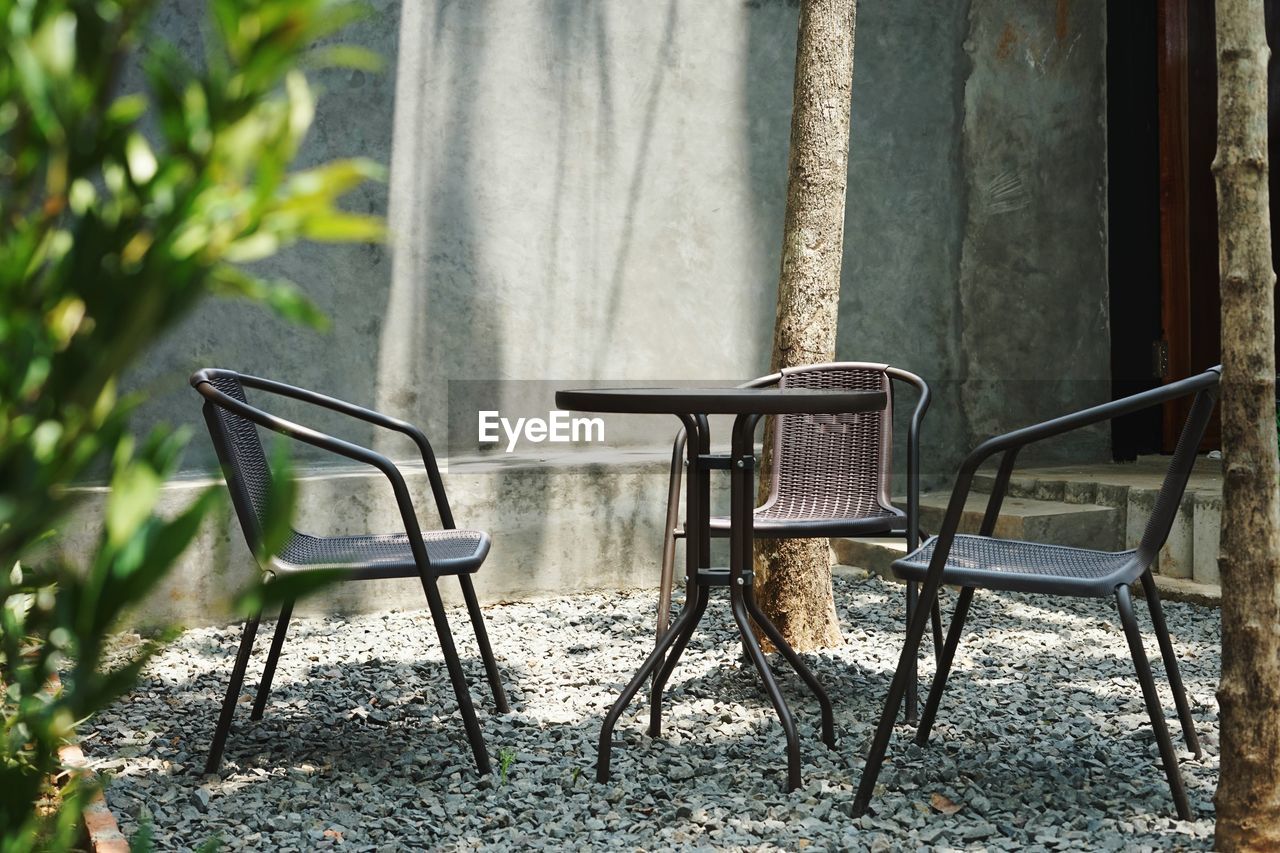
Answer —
1248 797
794 575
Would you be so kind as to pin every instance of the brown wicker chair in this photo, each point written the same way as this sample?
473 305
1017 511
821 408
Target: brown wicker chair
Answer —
831 475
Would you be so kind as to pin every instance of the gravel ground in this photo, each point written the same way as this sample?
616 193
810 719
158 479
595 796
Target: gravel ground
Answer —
1042 742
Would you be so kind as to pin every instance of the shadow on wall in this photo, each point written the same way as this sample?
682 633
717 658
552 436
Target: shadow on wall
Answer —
578 191
347 282
440 315
505 215
569 199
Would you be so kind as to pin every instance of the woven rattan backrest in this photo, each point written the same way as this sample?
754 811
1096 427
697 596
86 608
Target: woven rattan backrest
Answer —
835 466
1175 479
244 464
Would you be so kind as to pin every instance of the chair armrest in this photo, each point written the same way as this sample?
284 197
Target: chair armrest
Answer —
337 446
1020 438
913 450
673 480
369 416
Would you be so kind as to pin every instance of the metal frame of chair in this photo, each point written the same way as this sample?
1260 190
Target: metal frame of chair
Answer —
822 488
984 562
233 426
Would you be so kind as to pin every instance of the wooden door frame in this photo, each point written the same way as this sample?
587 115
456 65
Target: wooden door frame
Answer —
1175 240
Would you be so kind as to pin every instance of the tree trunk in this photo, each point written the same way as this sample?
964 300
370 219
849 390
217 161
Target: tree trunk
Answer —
1248 797
794 575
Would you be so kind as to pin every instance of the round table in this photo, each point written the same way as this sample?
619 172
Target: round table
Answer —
693 406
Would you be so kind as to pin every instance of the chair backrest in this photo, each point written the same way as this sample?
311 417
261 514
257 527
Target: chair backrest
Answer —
834 466
239 449
1179 472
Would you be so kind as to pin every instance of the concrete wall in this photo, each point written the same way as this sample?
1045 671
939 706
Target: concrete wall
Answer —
1032 296
594 191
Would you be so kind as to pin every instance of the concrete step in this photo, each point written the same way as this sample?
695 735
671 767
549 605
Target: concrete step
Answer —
874 555
1079 525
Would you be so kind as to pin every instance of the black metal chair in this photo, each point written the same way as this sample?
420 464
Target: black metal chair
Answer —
429 555
981 561
831 475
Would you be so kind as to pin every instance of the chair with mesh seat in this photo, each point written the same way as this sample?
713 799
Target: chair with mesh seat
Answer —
831 474
984 562
428 555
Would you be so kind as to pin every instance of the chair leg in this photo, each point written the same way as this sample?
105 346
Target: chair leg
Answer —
233 694
913 677
482 640
936 615
1125 605
460 689
944 666
897 687
666 583
269 672
1170 663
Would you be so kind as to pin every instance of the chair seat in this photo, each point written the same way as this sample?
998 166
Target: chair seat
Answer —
1010 564
786 522
452 552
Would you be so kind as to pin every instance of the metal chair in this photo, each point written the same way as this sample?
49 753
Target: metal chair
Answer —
831 475
233 425
981 561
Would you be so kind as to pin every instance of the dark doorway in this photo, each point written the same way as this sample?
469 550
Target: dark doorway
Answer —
1188 138
1163 227
1133 202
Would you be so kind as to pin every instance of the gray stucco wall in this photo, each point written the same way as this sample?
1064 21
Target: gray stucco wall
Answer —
1033 295
594 191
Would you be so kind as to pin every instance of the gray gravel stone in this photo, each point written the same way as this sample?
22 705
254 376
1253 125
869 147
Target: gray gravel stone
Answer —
1042 737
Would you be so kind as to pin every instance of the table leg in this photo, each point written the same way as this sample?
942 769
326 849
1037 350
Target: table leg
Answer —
741 546
815 686
689 614
770 686
697 484
700 595
698 553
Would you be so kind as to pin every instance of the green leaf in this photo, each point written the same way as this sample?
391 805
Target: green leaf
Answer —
254 247
142 162
345 56
332 179
159 544
302 106
282 296
55 44
337 226
282 492
135 488
127 109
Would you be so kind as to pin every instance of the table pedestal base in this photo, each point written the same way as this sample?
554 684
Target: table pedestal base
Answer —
666 654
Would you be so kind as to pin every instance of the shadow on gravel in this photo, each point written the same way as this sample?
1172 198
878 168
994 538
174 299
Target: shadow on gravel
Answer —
1042 740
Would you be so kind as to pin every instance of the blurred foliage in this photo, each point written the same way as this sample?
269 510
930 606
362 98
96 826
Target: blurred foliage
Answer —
119 210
